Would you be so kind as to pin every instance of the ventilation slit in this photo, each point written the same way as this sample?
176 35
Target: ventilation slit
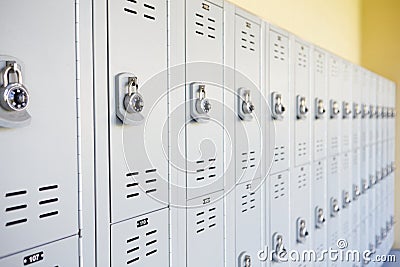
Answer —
49 187
16 193
18 207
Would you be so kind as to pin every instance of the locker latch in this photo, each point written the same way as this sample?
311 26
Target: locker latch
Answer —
14 97
319 108
319 217
335 110
279 249
301 230
383 112
346 199
365 185
130 102
346 109
378 112
245 105
356 110
278 109
334 207
200 105
356 192
383 233
378 241
301 106
372 111
365 111
372 180
384 172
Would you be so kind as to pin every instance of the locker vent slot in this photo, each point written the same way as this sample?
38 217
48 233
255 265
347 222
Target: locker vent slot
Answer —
346 140
48 214
147 182
334 167
248 160
48 187
248 202
16 193
334 142
19 221
334 68
346 162
301 149
319 172
146 248
301 180
206 219
279 49
319 64
319 145
147 9
279 153
206 169
247 40
279 187
302 60
205 25
48 201
17 207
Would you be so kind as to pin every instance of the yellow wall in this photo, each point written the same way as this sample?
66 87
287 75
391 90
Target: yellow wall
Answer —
380 48
331 24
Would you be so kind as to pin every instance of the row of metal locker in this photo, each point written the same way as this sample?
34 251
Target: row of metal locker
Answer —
185 133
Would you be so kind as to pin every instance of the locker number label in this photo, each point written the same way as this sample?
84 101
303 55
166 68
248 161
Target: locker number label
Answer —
33 258
142 222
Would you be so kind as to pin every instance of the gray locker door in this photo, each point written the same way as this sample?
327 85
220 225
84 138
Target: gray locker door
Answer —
279 85
141 241
334 102
279 211
39 180
319 121
247 78
301 91
138 152
248 222
204 59
205 231
63 253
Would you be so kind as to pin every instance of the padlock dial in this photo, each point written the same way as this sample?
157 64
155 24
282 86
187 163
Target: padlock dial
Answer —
319 108
302 108
335 110
16 98
134 103
278 109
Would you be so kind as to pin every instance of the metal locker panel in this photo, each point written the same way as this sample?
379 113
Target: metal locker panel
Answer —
318 224
278 78
247 82
334 112
356 188
141 241
138 158
319 105
62 253
248 222
301 102
279 212
300 208
39 186
205 231
346 193
204 59
346 103
356 111
372 102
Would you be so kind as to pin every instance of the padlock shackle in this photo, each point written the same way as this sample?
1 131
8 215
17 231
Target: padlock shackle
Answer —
6 71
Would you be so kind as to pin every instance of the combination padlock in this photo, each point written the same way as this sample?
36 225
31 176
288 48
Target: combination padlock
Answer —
246 106
319 108
133 101
335 110
356 192
346 110
203 105
356 110
365 111
302 108
346 199
302 232
334 207
319 217
14 95
277 107
279 252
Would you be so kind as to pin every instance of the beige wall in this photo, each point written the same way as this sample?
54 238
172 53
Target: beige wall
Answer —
380 52
331 24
